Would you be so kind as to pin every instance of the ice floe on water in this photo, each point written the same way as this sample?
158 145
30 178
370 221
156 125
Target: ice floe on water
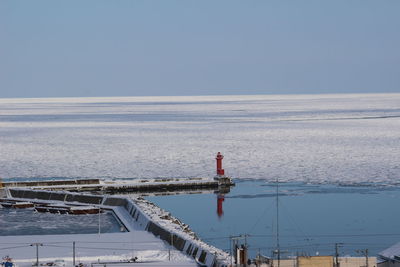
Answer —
28 222
304 138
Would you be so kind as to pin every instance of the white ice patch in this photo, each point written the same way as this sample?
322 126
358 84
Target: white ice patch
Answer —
310 138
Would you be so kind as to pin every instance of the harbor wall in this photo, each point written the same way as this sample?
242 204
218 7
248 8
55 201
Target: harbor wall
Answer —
160 224
50 183
2 193
185 240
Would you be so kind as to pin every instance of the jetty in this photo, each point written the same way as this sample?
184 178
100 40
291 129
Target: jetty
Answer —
163 185
91 196
219 184
143 213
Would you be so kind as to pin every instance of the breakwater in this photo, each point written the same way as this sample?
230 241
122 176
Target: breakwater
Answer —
145 214
135 186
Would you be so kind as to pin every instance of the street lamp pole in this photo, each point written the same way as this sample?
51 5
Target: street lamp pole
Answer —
37 252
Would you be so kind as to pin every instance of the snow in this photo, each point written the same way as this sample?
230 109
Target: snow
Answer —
308 138
91 248
391 252
135 215
174 225
137 183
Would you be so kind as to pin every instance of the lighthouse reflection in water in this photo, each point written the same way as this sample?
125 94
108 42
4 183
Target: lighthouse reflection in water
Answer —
220 174
220 200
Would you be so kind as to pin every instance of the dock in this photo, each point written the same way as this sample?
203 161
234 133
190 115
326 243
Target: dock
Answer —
143 213
49 183
134 186
90 196
220 184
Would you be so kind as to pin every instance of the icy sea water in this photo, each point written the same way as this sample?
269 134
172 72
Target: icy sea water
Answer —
29 222
299 138
312 218
310 142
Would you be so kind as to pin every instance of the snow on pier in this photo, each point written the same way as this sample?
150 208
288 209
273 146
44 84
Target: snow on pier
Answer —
136 215
132 186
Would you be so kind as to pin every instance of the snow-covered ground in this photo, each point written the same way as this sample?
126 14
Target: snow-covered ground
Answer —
93 248
27 221
310 138
89 248
137 219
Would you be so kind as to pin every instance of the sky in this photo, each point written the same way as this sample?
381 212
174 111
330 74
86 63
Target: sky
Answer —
136 48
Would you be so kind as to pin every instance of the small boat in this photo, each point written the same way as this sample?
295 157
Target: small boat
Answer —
23 205
84 210
53 209
59 210
17 205
41 208
75 210
7 204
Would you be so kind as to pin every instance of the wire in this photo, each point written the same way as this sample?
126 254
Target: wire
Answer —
337 235
111 242
98 248
268 207
95 242
15 247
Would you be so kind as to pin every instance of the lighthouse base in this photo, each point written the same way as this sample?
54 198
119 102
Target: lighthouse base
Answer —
223 180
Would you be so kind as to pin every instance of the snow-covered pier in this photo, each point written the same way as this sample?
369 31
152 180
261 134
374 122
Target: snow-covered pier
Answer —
142 214
49 183
132 186
219 183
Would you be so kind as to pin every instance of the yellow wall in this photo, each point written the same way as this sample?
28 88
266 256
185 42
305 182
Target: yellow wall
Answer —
357 261
315 261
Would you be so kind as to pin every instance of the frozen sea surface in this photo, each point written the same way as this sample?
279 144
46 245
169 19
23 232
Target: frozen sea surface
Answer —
28 222
304 138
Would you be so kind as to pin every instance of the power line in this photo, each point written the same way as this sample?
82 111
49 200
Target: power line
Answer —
95 242
336 235
4 248
102 248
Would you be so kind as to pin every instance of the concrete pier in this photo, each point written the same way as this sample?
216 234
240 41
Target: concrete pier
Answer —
134 186
145 214
49 183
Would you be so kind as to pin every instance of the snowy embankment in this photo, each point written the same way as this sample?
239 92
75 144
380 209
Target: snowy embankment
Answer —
94 248
139 217
162 222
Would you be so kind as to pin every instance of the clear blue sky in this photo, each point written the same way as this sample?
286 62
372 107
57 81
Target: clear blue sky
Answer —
127 48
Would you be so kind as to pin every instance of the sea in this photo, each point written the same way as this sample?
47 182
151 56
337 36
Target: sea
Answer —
311 171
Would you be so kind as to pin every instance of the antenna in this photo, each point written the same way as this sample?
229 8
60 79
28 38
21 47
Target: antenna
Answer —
99 216
278 251
364 252
239 252
337 245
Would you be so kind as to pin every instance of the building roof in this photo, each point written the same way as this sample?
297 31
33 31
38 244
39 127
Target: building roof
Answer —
392 253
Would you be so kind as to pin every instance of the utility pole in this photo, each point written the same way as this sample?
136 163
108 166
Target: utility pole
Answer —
337 245
99 216
37 252
364 252
171 247
230 248
278 250
235 242
73 254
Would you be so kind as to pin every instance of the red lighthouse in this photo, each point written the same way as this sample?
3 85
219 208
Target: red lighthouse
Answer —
224 184
220 171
